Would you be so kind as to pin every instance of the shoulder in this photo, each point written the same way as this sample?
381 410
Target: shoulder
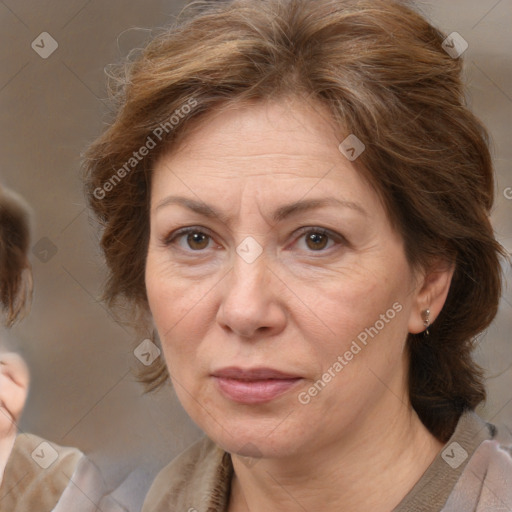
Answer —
37 473
191 479
45 453
486 482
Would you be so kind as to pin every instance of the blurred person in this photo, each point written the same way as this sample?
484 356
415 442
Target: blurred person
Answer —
35 475
15 293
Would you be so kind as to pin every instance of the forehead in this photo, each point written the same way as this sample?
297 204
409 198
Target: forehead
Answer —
273 148
250 129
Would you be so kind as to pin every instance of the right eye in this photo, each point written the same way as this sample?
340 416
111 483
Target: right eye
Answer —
192 239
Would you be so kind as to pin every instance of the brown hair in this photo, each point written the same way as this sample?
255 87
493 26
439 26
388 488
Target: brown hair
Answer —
15 271
381 70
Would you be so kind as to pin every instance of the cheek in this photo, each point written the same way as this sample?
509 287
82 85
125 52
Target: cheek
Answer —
170 298
367 308
363 359
178 310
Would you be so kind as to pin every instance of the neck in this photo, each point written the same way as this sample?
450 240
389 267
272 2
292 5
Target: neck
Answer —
391 454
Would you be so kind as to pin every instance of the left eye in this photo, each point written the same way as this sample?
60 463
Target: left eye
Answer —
317 239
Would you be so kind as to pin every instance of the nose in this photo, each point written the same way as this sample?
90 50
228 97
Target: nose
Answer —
252 297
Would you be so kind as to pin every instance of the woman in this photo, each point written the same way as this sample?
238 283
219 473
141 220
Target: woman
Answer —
35 475
297 194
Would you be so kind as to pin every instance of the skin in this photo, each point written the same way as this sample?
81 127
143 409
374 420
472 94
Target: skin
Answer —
296 308
14 383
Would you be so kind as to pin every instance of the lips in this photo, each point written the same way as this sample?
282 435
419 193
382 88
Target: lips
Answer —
252 374
253 385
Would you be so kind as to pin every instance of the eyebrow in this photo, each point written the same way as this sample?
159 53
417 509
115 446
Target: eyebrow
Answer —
280 214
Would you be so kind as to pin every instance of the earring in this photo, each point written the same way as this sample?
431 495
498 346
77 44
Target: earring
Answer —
426 320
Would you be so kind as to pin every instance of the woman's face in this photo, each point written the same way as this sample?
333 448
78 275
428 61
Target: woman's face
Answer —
283 328
14 381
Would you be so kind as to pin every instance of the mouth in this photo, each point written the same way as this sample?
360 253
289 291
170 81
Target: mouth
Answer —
254 385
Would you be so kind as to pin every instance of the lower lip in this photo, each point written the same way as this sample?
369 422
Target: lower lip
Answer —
256 391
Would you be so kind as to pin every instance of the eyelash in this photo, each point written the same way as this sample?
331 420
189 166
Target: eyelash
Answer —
174 236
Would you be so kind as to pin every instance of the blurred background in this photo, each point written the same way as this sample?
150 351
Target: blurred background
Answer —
53 103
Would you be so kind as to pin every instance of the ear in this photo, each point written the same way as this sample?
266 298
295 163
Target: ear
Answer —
431 291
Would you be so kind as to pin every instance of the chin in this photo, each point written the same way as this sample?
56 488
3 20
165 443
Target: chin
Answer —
264 430
253 438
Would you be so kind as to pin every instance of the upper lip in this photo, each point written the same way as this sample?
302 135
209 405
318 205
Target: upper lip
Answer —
261 373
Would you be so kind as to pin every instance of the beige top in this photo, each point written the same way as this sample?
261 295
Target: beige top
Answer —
36 474
42 476
473 472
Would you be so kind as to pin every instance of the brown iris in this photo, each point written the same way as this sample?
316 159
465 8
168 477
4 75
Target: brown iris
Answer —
319 240
201 239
